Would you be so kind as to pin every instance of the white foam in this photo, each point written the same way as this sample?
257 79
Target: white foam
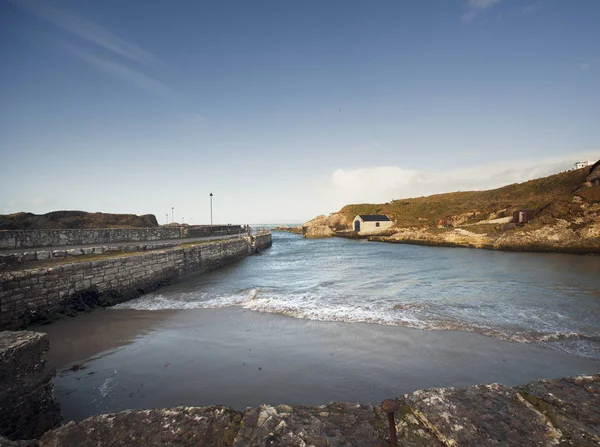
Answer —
338 307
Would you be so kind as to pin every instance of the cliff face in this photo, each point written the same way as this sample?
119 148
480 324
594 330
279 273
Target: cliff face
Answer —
566 209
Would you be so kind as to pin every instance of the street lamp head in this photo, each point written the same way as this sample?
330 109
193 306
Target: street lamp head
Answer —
211 194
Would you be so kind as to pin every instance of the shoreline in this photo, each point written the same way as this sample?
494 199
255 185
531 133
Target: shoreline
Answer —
530 248
117 359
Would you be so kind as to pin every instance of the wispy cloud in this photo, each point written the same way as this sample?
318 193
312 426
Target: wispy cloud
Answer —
475 7
84 29
531 9
588 64
384 183
135 77
99 47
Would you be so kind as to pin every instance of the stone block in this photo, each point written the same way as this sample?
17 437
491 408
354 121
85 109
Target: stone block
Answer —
27 406
75 252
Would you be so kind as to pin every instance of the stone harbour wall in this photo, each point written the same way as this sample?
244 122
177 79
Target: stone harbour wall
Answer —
27 405
23 257
38 294
11 239
262 241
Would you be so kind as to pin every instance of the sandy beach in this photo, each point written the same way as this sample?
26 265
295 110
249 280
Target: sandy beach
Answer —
236 357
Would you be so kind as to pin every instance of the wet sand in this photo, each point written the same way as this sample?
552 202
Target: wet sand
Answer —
236 357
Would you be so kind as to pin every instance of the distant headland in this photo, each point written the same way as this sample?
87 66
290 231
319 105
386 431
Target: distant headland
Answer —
558 213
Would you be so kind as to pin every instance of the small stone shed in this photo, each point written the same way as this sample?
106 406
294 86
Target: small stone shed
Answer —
523 216
371 223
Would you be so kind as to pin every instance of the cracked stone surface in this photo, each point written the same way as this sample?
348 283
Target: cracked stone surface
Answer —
482 415
557 412
571 404
180 426
336 424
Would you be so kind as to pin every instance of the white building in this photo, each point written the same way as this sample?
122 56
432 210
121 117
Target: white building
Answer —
371 223
583 164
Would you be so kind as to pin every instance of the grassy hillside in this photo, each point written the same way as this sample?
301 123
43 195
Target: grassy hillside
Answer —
551 195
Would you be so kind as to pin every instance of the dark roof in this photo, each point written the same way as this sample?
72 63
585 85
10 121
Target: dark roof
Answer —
374 217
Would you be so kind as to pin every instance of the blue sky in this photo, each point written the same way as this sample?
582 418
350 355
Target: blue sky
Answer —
288 109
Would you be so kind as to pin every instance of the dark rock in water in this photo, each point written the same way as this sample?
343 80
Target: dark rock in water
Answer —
181 426
27 405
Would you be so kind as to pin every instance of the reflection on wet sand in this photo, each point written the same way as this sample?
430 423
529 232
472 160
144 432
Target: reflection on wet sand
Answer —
74 339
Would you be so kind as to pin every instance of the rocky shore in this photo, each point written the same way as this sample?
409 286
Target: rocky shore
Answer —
563 216
542 413
558 238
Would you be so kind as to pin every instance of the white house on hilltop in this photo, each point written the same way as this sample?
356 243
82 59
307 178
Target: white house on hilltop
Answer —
583 164
371 223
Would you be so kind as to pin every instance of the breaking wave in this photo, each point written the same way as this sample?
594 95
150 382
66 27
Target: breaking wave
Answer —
417 315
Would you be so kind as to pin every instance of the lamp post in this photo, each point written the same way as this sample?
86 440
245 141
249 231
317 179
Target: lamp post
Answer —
211 196
172 214
167 218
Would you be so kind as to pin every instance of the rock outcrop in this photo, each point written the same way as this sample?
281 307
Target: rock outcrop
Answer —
326 226
334 220
27 405
74 220
318 231
579 235
553 412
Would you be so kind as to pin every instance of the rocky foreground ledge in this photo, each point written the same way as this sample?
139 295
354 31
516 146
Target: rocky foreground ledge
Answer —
563 412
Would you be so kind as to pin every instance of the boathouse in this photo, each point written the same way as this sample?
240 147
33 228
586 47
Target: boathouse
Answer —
371 223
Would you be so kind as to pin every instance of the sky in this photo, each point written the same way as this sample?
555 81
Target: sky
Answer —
287 109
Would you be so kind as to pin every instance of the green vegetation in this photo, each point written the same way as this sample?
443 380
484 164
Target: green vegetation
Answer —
551 196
